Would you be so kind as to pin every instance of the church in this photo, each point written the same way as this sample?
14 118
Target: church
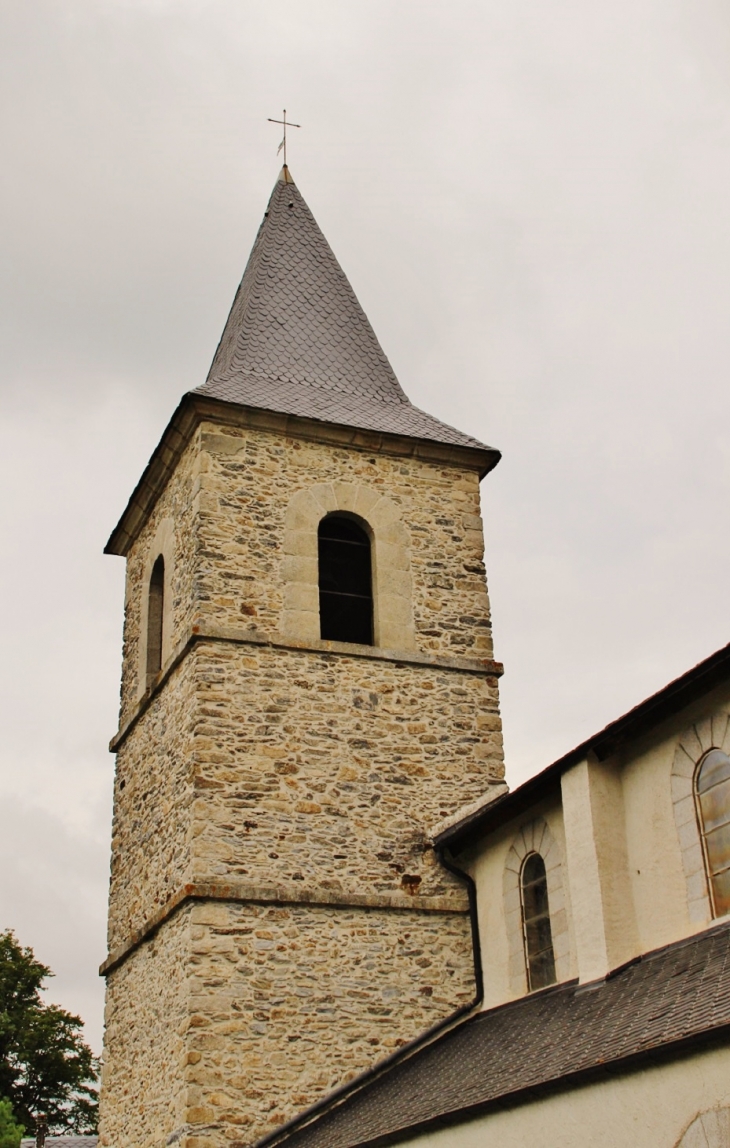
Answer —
330 923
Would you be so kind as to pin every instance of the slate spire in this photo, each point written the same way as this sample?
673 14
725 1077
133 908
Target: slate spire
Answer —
297 341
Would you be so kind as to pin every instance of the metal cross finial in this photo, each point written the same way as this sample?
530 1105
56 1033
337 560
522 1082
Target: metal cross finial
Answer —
287 124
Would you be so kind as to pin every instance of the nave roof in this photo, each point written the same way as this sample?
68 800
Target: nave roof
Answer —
663 1003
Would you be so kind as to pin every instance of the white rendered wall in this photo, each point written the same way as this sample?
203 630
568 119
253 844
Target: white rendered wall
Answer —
624 884
655 855
597 860
655 862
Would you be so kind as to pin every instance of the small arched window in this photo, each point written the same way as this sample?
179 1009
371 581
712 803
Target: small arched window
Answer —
712 795
538 938
155 606
345 581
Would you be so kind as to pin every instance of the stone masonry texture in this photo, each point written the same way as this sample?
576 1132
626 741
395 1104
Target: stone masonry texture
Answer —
302 777
228 499
147 1017
267 1009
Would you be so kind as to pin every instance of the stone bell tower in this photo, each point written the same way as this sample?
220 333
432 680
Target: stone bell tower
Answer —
295 716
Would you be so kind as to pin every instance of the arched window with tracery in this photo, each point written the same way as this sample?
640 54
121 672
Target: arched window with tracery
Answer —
155 606
537 933
712 798
345 581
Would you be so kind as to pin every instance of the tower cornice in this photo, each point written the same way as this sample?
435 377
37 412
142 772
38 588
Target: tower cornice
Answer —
195 408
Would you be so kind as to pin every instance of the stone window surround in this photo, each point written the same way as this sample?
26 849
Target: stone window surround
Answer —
393 625
702 736
710 1129
162 545
534 837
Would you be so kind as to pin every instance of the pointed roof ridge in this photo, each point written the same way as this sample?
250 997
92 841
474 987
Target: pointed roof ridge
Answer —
295 315
298 342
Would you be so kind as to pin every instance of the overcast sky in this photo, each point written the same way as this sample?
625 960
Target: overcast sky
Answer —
531 202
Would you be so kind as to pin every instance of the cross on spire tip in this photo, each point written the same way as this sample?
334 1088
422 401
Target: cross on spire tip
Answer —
287 124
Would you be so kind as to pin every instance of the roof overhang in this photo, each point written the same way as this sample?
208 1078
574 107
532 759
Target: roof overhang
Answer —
638 722
657 1008
195 408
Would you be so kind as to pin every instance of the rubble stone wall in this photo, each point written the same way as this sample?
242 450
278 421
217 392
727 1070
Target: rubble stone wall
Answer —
330 770
153 802
308 773
147 1017
234 1017
248 478
290 1001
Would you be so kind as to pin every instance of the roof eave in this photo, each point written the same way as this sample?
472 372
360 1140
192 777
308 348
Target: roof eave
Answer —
194 408
701 1031
705 1039
637 722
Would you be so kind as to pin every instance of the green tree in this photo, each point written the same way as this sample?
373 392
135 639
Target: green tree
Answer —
45 1066
11 1133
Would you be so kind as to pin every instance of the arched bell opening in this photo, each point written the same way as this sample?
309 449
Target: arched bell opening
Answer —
345 581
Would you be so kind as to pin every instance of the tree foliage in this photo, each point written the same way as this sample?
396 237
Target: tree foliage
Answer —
45 1066
11 1133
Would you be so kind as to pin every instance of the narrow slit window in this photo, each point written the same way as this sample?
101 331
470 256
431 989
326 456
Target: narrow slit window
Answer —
345 581
712 793
538 938
154 619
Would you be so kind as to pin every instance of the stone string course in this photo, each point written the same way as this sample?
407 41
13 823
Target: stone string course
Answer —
293 768
293 894
253 782
244 636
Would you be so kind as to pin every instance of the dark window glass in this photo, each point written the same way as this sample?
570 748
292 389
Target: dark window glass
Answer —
539 956
345 582
712 789
154 619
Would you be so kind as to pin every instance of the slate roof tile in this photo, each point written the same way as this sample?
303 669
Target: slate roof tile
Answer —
669 996
298 342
